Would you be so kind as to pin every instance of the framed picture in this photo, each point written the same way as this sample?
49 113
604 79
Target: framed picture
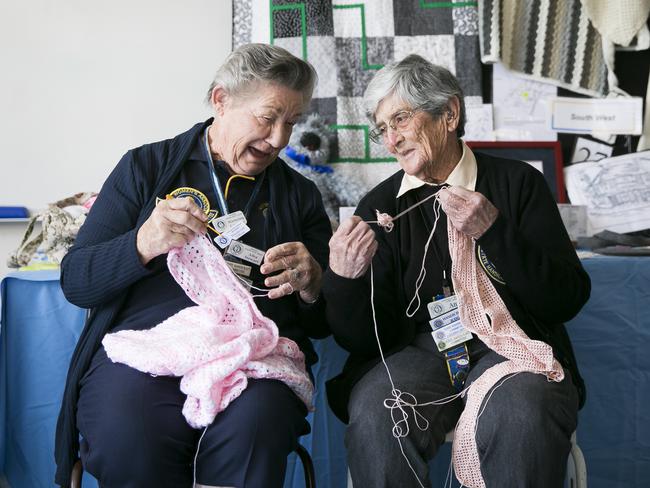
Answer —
546 156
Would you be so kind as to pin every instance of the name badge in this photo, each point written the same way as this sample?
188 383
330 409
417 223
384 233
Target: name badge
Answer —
240 269
222 241
450 336
439 307
237 231
448 331
245 252
445 319
226 223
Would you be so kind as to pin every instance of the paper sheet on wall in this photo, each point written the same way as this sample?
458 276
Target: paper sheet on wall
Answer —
574 218
616 192
521 107
479 125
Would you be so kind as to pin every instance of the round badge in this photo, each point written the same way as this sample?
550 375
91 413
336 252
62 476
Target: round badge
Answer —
462 362
437 308
199 198
487 265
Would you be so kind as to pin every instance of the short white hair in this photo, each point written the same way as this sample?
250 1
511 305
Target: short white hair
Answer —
419 83
253 63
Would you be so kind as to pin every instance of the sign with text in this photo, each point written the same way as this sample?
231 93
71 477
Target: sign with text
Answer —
601 115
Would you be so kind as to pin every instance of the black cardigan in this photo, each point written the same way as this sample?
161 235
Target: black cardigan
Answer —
545 284
97 272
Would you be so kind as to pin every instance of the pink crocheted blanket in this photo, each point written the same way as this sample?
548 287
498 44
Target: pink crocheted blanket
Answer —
216 345
478 300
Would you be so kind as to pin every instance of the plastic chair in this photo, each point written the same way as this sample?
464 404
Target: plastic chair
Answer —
303 454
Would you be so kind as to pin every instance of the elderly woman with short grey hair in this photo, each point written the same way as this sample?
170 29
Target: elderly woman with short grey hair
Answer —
399 280
222 179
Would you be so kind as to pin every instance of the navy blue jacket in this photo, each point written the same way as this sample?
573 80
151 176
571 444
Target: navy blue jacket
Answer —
103 263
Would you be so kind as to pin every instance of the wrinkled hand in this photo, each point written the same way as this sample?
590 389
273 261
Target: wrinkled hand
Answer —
299 271
352 247
172 223
469 211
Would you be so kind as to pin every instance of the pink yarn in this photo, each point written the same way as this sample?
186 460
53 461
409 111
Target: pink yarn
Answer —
216 345
477 300
384 220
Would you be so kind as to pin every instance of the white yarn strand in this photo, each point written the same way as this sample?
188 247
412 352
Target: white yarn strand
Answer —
398 402
196 456
390 377
423 271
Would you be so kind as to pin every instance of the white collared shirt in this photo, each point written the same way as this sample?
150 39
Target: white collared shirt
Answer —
463 174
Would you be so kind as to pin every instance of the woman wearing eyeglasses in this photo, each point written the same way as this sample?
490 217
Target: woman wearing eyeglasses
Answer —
221 178
398 283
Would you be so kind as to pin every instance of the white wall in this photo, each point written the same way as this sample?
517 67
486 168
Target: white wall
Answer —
83 81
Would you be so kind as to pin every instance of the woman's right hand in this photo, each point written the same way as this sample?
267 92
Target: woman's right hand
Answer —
352 247
172 223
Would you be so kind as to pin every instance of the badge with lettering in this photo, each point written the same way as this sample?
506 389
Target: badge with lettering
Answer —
237 231
240 269
225 223
445 319
487 265
439 307
245 252
222 241
199 198
451 335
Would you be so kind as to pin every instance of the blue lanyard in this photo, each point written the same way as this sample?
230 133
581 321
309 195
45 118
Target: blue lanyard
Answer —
216 186
221 201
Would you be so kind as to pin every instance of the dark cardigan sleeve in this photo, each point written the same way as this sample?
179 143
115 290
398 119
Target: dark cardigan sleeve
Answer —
104 261
349 308
316 232
530 248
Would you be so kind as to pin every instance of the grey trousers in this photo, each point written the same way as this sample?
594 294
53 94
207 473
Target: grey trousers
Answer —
523 435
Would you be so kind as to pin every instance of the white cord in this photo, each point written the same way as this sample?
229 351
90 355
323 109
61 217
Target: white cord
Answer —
196 456
398 401
423 271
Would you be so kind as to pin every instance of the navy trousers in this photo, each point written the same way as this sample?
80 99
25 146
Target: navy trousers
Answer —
135 436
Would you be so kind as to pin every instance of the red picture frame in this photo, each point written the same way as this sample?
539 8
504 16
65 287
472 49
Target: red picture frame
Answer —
548 152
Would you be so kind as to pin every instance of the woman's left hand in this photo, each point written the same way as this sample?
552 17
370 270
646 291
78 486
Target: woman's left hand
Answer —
299 271
469 211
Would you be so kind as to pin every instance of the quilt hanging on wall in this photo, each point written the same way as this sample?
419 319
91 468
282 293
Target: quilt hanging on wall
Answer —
347 41
551 41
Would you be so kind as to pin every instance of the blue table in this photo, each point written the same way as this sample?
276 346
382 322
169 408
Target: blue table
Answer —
38 332
611 337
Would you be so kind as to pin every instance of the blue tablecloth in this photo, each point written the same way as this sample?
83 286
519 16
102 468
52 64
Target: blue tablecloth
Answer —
38 332
611 337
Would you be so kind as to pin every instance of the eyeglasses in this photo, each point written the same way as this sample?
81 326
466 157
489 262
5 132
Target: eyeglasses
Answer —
398 121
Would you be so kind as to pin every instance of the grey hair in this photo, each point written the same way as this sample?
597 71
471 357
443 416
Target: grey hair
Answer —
419 83
253 63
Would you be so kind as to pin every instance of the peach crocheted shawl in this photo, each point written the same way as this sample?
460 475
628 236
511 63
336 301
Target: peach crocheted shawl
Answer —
478 300
216 345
